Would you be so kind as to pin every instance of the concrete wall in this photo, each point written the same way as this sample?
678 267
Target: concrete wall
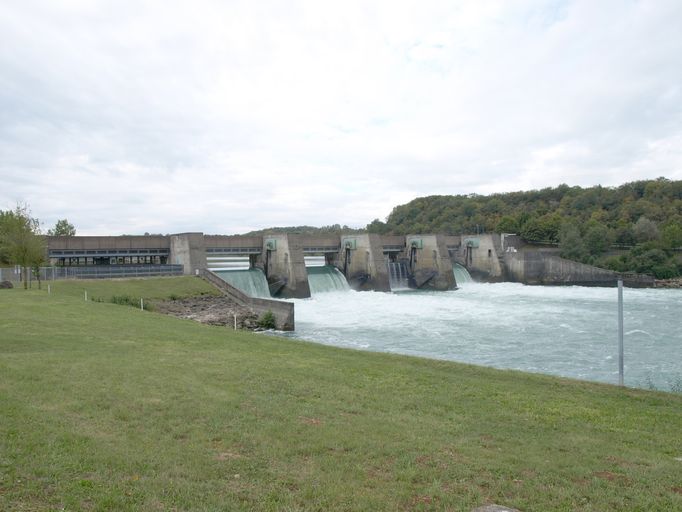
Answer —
366 268
544 268
284 266
188 249
363 263
481 255
320 241
65 243
392 240
225 241
282 311
430 263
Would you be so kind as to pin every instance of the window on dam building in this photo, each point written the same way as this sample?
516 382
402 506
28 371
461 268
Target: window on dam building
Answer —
79 261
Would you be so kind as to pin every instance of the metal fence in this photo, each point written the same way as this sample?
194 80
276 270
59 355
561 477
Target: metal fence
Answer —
94 272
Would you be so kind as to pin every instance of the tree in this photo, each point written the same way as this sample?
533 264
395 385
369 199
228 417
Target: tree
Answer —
597 238
645 230
62 228
507 224
20 240
571 244
672 236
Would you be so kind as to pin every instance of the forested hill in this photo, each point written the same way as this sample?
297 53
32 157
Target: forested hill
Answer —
643 215
334 229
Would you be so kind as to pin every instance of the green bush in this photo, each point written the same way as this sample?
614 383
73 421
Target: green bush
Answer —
267 321
127 300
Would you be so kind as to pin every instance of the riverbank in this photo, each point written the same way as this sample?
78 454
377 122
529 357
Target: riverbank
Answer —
110 407
668 283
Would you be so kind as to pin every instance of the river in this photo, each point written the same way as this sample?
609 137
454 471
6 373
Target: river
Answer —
565 331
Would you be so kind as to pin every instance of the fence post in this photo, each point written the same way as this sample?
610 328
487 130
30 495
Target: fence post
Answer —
621 379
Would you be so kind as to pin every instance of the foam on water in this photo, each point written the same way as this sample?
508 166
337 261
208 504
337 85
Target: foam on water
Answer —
567 331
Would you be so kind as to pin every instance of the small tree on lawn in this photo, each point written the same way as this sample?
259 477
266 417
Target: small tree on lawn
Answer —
20 240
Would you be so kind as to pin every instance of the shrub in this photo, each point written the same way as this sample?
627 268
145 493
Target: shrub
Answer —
127 300
267 321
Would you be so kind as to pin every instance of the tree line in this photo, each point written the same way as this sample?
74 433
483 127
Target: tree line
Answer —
635 227
22 243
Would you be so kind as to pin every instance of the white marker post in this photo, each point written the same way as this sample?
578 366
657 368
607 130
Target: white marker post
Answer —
141 304
621 379
86 295
49 292
235 322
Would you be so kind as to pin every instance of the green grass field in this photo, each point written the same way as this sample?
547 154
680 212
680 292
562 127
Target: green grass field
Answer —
105 407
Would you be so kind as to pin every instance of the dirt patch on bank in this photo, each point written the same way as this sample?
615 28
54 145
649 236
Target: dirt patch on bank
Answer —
668 283
210 310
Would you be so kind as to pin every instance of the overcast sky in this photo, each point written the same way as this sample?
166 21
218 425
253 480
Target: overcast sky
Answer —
228 116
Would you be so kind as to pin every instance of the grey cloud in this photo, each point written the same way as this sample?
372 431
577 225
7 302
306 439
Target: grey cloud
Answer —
127 117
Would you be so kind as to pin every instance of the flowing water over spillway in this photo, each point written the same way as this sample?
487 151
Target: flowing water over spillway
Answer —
252 282
462 275
567 331
326 278
397 275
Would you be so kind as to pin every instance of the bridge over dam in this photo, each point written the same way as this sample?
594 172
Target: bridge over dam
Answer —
285 262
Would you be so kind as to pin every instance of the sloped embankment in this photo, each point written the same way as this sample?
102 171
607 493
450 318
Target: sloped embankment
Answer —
210 310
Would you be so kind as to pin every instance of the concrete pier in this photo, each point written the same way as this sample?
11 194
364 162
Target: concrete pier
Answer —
284 266
429 262
188 249
361 259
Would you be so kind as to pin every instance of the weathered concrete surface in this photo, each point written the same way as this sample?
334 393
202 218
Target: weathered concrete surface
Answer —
361 259
545 268
430 262
107 242
324 243
232 241
284 265
481 255
188 249
282 311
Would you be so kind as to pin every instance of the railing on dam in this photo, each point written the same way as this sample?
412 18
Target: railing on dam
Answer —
233 250
321 249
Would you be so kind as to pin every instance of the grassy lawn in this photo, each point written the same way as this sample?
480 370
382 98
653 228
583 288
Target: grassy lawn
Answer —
104 407
154 288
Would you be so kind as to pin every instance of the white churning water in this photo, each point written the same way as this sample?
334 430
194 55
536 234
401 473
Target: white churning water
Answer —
567 331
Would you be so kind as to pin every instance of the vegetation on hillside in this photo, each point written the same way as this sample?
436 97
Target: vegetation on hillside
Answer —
643 218
334 229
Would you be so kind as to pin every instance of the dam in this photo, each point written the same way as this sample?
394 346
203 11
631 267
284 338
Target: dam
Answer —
290 265
282 265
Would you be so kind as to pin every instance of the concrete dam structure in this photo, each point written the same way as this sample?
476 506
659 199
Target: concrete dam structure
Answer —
366 261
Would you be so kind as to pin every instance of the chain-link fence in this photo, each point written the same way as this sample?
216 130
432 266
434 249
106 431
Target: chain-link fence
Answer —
93 272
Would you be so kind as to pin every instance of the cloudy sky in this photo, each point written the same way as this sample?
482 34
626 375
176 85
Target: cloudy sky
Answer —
226 116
